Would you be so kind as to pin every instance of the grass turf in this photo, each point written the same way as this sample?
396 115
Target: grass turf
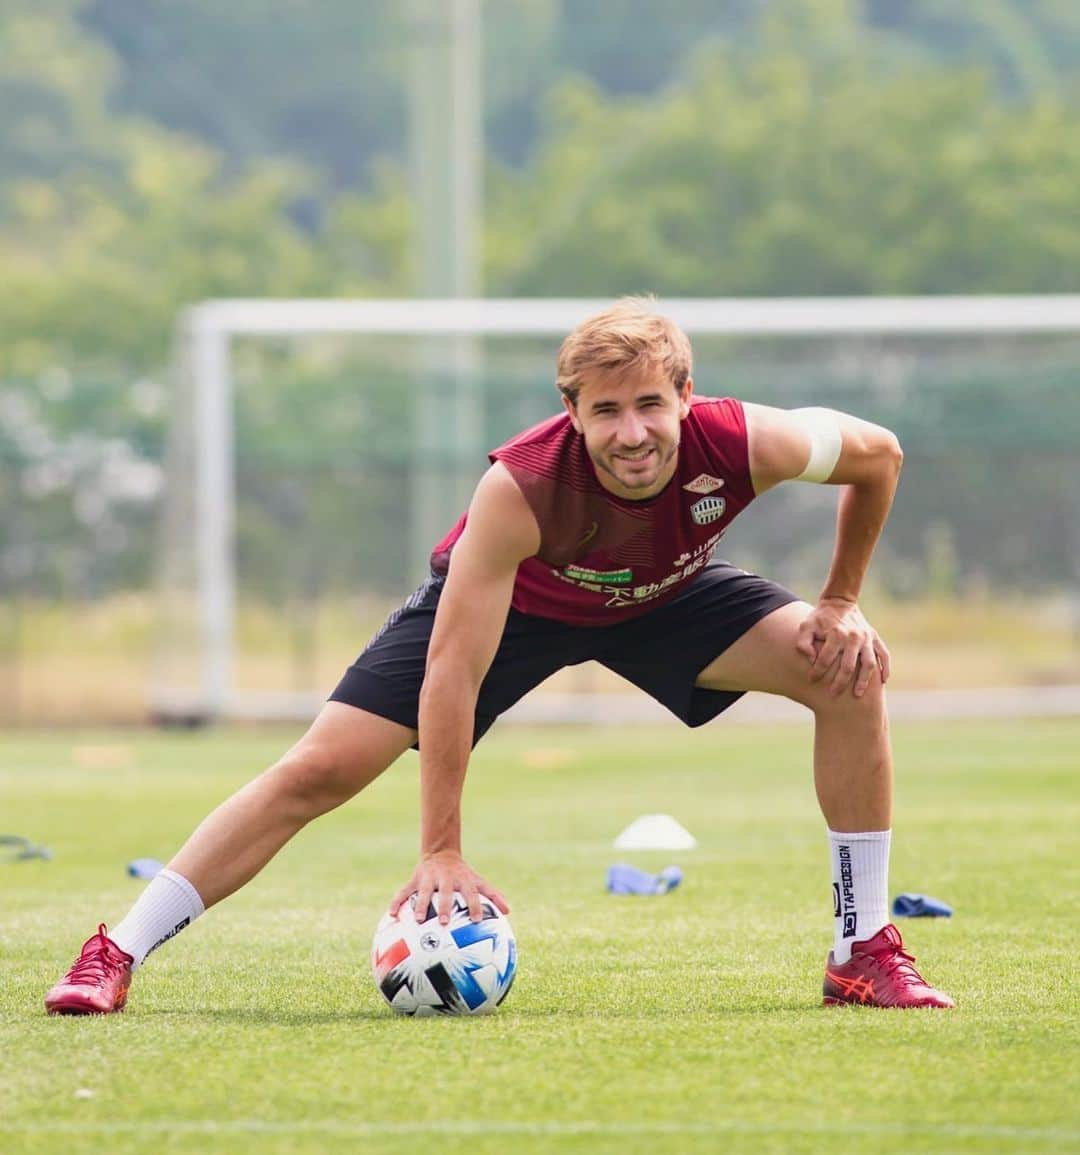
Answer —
684 1023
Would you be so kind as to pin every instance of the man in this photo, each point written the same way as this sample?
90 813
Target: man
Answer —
590 537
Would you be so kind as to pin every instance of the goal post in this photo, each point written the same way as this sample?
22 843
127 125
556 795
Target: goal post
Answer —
195 674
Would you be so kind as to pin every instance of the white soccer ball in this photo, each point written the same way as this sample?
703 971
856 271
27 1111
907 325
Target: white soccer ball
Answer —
463 968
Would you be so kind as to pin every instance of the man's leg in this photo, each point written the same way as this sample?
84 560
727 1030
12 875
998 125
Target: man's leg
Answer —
852 755
344 750
853 780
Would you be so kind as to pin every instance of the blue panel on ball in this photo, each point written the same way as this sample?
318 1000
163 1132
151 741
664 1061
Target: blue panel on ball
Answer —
511 964
473 932
469 989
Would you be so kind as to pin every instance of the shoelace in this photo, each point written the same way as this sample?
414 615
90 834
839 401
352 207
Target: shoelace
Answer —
96 962
897 962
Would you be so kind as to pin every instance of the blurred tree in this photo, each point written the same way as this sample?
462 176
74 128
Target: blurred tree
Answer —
806 169
53 84
109 225
804 146
635 46
327 81
321 81
1031 46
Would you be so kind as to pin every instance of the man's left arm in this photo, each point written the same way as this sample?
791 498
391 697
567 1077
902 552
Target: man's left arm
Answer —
825 446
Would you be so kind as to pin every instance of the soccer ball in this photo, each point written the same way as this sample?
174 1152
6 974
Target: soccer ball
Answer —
463 968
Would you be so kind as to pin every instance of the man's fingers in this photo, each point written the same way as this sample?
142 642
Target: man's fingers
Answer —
846 654
845 671
435 883
883 660
806 641
399 899
423 901
445 903
472 897
826 655
867 666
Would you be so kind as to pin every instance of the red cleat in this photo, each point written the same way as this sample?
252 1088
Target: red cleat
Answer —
97 983
880 973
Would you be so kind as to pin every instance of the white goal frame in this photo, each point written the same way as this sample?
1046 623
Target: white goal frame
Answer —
204 334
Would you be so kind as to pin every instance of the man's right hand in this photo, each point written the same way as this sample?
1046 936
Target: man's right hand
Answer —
442 873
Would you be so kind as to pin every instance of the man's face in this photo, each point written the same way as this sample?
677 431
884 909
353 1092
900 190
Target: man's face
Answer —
631 427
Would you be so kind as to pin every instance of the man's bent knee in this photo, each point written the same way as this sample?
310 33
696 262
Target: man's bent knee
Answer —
822 699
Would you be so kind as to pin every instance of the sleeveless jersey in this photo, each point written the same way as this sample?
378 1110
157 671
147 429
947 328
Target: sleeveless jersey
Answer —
604 559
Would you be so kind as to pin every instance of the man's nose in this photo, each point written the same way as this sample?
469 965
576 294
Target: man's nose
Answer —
631 429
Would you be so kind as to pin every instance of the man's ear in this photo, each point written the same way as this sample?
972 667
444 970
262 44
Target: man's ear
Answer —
684 398
571 408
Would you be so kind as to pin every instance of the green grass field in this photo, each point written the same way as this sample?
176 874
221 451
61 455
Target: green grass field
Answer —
684 1023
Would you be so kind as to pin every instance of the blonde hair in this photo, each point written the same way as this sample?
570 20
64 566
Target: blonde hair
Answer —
628 336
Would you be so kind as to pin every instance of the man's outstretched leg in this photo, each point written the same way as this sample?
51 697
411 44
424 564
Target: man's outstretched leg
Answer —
343 751
853 778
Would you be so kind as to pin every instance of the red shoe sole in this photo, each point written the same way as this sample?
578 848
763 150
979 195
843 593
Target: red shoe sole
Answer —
74 1007
82 1011
831 1002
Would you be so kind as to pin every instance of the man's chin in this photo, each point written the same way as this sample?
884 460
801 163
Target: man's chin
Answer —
631 481
638 482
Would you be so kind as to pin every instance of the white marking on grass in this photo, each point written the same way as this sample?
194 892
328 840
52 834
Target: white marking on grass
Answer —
583 1127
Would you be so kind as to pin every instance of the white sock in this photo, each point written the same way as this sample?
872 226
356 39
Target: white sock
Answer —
860 871
163 909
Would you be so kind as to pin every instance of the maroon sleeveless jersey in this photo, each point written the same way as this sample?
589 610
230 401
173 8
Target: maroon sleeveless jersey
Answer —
602 558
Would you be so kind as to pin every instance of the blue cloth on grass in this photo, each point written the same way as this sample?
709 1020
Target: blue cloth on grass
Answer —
625 879
920 906
144 867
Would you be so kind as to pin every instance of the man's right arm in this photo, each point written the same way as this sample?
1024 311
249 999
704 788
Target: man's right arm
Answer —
501 531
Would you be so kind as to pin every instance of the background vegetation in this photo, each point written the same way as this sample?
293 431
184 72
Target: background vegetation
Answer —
153 155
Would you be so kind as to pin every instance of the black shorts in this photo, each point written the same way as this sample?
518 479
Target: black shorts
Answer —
662 652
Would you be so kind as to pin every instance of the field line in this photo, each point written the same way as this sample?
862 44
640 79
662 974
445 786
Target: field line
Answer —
359 1129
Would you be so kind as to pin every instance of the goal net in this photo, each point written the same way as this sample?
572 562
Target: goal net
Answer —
318 449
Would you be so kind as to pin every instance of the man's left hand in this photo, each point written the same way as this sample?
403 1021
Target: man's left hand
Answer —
843 648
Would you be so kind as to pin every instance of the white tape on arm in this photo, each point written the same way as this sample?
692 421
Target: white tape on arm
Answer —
826 441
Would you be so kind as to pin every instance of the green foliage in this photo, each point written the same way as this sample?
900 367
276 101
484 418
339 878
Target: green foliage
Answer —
318 81
1030 45
153 155
789 175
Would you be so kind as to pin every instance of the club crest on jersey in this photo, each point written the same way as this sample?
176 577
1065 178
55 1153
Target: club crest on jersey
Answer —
703 483
708 509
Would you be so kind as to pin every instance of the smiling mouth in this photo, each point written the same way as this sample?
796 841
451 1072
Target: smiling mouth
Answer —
634 458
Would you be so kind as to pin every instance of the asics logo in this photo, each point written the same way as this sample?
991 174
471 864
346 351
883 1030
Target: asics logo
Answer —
856 988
